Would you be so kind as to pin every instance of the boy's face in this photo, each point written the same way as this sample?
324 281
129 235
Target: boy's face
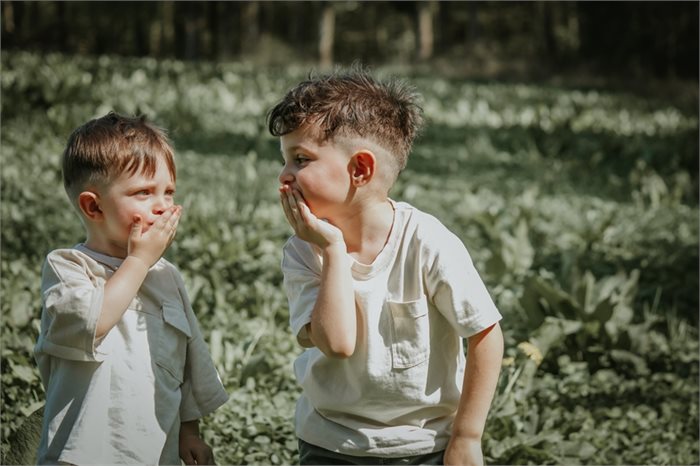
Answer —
319 171
129 196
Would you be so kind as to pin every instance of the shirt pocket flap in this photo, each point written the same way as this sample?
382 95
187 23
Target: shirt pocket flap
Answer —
174 316
409 309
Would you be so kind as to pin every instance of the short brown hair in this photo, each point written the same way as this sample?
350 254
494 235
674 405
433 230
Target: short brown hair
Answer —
353 103
106 147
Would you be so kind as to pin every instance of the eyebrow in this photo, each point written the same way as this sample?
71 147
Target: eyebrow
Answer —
296 147
292 150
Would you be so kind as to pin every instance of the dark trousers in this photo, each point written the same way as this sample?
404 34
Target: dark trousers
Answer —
311 454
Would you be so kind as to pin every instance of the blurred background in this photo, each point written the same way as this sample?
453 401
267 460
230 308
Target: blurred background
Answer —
561 146
506 40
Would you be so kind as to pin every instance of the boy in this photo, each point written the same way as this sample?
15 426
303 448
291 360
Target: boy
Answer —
126 371
379 292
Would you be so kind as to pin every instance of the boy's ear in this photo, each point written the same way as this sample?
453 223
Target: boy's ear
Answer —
362 167
89 205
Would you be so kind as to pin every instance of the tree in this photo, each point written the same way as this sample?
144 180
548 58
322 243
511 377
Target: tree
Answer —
250 26
327 35
426 35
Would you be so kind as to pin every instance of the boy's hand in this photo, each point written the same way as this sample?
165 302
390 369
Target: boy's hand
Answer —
464 451
193 450
151 245
305 224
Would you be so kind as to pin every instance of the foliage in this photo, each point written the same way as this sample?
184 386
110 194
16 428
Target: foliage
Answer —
480 38
579 209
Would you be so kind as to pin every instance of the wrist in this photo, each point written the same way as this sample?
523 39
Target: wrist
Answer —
137 262
189 428
466 435
335 249
338 255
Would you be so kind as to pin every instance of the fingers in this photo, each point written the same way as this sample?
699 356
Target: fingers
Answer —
166 224
168 219
291 201
173 221
197 453
136 228
304 222
204 456
187 457
306 215
284 200
149 244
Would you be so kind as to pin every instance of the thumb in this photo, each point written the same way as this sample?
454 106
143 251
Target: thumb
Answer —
306 213
136 228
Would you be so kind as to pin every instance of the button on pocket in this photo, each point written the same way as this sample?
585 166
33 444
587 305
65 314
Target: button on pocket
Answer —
172 350
410 333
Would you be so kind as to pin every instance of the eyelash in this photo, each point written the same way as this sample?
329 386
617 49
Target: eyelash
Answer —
146 192
297 159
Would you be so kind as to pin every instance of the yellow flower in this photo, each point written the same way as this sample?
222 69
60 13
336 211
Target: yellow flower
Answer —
531 351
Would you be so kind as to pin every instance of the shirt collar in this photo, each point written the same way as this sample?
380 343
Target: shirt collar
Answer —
109 261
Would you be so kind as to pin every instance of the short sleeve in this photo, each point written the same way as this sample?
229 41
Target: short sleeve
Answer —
301 285
455 287
71 307
202 389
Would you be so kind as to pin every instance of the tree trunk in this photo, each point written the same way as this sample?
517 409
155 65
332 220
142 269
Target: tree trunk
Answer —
426 35
167 29
191 17
546 26
141 29
224 39
474 26
8 17
327 35
249 26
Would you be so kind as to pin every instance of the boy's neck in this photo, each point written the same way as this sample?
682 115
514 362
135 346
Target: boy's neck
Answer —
102 245
367 231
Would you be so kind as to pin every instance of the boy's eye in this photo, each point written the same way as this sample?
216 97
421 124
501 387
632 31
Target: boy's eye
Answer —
170 192
300 159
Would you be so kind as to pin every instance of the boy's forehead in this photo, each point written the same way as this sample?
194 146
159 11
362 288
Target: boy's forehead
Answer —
304 136
141 171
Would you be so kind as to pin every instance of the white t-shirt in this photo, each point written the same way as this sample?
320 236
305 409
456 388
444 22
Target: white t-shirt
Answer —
119 400
398 393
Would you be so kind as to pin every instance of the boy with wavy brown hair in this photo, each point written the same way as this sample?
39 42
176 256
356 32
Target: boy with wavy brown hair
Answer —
126 370
380 294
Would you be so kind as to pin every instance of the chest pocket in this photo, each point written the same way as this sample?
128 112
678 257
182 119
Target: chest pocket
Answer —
172 348
410 333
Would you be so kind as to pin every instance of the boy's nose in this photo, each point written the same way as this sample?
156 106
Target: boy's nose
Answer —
161 204
286 177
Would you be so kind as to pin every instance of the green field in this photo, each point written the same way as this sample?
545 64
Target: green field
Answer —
579 207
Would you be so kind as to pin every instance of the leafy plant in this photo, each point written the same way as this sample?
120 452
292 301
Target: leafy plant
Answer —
578 207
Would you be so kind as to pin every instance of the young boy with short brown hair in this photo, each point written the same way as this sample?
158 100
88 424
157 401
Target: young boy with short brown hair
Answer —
126 370
380 294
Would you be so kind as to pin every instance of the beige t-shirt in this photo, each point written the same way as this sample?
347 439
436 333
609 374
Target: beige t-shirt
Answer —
398 393
122 399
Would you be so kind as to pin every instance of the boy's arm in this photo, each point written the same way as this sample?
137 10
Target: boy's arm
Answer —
484 359
144 250
333 326
194 450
